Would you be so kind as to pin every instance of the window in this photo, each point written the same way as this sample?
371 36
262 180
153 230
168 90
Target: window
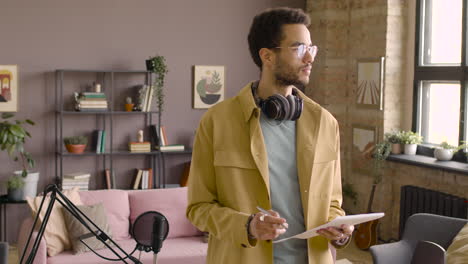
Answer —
440 71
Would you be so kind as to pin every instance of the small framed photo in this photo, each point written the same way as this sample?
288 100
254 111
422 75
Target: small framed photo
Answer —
208 86
370 74
364 140
9 88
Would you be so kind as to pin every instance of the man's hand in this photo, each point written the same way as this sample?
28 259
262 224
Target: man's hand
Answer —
334 233
265 227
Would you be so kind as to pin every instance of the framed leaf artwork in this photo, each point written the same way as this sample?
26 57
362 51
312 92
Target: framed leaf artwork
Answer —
208 86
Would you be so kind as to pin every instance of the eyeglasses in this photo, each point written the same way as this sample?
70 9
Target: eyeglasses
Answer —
301 50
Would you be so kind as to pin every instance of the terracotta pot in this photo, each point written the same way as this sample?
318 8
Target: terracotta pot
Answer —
75 149
129 107
396 148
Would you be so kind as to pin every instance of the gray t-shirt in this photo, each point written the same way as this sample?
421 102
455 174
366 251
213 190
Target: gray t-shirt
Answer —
280 141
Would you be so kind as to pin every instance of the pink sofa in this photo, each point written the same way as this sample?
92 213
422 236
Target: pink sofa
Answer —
184 243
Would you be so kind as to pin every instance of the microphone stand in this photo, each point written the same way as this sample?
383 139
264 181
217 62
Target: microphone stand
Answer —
78 214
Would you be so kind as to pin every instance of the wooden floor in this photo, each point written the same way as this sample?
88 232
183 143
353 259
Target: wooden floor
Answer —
350 253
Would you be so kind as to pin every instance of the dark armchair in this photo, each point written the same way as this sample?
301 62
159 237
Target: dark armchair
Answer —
420 227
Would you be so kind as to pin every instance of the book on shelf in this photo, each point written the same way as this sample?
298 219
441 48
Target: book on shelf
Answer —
93 103
98 139
77 175
137 180
150 98
103 142
154 138
107 175
92 95
163 137
173 147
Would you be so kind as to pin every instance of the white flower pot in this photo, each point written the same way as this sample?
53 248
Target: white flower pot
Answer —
410 149
30 183
443 154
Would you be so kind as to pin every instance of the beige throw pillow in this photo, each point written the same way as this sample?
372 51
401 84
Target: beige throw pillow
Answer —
55 234
457 252
97 214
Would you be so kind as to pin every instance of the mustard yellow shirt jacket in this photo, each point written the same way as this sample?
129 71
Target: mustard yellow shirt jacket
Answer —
229 178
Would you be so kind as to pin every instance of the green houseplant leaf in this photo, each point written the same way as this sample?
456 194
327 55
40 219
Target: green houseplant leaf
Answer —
12 139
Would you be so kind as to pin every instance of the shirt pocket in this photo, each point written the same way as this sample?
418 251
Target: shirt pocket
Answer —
235 159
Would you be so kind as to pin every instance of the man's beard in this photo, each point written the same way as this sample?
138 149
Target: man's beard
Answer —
285 76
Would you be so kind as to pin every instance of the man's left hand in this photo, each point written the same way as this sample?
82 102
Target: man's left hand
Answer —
335 233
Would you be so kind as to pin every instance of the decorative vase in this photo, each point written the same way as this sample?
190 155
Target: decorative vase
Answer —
15 195
443 154
410 149
149 65
75 149
396 148
129 107
30 184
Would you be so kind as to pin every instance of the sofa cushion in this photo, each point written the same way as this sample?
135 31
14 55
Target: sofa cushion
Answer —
457 252
174 251
97 214
56 233
117 207
172 203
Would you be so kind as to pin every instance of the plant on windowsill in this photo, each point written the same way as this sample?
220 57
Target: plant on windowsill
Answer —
13 135
411 140
445 151
158 66
75 144
394 138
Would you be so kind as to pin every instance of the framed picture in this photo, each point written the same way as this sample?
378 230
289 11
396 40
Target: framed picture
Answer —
208 86
9 88
370 83
364 140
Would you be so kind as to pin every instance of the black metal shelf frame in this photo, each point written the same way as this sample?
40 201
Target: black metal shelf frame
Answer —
156 160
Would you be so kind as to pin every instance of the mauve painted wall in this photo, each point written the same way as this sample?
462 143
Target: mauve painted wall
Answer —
42 36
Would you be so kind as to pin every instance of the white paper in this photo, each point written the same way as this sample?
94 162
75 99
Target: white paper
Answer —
337 222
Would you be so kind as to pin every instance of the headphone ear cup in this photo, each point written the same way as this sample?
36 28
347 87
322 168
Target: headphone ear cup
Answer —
292 107
299 105
284 106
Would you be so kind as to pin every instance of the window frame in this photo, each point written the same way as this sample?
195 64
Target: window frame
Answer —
458 73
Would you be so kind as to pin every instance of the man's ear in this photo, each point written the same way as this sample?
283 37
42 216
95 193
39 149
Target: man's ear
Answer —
267 56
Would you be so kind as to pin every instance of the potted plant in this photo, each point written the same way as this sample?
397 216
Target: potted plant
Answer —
75 144
394 138
12 138
15 188
445 151
411 140
157 65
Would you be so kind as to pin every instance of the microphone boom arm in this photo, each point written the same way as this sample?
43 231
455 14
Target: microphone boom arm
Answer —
79 215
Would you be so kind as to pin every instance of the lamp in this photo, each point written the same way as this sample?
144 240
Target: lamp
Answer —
78 214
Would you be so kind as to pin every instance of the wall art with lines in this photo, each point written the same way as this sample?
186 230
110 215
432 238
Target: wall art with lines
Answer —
370 83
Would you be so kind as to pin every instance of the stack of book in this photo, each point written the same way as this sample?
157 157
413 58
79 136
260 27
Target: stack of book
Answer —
77 179
139 146
99 141
143 179
90 101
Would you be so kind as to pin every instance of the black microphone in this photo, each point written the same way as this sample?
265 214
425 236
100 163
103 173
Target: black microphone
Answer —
158 235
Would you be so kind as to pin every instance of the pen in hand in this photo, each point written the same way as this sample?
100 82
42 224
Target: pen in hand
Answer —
269 214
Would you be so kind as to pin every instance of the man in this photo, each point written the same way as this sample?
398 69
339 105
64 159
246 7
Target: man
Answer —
251 151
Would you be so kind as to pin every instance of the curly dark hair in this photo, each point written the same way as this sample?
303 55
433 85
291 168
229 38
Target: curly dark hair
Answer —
266 29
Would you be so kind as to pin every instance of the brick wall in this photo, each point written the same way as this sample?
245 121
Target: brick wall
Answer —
346 31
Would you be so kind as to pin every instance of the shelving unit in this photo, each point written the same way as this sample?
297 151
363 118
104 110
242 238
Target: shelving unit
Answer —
154 159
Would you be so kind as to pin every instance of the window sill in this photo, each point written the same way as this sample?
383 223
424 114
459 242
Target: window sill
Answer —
429 162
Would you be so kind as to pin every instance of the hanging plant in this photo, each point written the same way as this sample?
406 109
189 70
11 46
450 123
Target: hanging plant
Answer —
157 65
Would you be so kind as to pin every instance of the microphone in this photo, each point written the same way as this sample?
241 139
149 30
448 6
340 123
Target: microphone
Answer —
158 235
149 230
